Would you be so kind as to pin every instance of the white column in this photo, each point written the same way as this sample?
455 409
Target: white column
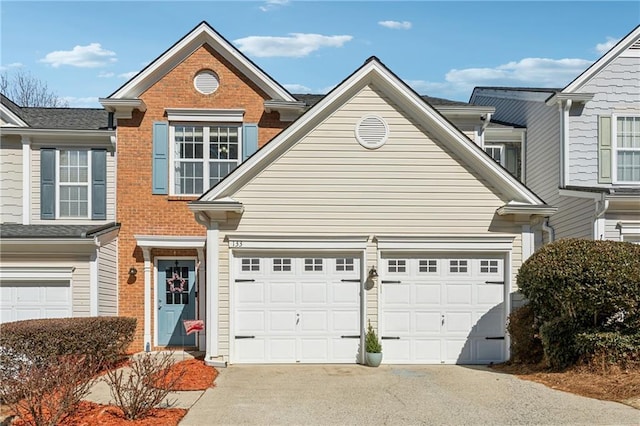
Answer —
146 252
211 324
93 284
26 180
528 242
202 295
507 301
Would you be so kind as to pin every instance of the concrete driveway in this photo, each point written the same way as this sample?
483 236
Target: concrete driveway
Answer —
395 395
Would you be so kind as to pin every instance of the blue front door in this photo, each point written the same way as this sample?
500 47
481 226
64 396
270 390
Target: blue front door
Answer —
176 293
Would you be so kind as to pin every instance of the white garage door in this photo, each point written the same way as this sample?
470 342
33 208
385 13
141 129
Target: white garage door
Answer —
34 300
296 309
443 310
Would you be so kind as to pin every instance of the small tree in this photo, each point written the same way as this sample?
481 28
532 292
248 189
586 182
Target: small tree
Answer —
26 90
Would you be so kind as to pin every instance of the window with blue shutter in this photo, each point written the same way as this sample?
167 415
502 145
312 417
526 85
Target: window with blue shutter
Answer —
249 140
160 167
47 183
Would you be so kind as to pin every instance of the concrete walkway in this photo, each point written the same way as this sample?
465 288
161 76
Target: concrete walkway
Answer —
394 395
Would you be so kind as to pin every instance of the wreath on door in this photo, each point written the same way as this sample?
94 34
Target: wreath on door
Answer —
173 288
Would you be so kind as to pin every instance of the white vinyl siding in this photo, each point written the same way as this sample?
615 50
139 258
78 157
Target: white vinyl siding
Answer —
35 193
11 182
612 228
328 184
108 279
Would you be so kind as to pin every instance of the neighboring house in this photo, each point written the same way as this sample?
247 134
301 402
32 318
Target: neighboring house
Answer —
582 145
57 219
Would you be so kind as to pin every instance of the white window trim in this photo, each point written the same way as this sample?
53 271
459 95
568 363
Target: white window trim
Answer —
500 147
629 230
614 148
89 184
205 152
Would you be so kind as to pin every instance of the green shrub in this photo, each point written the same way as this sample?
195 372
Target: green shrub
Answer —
371 342
558 340
105 338
594 283
602 349
526 346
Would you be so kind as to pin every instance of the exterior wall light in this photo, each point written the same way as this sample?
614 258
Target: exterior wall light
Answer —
133 271
373 274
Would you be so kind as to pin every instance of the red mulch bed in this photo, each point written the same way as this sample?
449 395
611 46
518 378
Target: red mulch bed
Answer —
196 376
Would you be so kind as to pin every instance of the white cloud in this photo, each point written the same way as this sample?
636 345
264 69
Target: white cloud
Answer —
127 75
88 102
603 48
89 56
396 25
273 4
528 72
12 65
295 45
297 88
105 74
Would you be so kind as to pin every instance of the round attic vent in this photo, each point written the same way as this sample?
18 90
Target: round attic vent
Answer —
372 131
206 82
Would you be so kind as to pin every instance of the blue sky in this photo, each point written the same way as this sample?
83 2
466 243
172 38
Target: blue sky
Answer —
85 50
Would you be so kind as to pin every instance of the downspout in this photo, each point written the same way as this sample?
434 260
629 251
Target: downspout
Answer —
565 143
549 230
599 230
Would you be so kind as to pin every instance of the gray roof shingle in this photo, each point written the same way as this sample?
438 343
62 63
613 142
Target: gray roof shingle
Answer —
312 99
16 231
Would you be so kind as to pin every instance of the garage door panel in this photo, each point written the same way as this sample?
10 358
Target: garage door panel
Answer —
427 322
399 294
313 292
397 322
281 350
458 322
314 321
487 351
488 324
282 292
344 350
345 321
281 321
427 350
458 294
314 350
427 293
397 350
490 294
250 321
457 351
345 293
250 292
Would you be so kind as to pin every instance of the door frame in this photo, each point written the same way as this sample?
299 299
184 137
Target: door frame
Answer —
154 292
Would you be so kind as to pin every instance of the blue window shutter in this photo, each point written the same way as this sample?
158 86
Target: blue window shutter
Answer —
249 140
47 183
160 158
98 184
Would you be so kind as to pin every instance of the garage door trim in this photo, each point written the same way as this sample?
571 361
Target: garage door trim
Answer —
36 273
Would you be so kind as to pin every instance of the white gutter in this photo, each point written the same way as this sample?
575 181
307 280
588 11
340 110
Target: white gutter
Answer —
549 230
599 223
21 131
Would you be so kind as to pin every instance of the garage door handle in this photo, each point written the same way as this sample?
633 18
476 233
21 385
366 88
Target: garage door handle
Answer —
495 338
391 282
355 336
248 280
351 281
494 282
390 337
245 337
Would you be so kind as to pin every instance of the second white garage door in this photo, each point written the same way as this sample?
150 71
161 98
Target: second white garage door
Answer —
34 300
443 309
290 309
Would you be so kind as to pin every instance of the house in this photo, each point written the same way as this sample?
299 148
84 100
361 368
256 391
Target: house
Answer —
57 221
582 150
367 204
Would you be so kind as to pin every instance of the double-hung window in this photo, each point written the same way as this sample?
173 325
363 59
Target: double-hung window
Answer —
203 154
626 134
73 183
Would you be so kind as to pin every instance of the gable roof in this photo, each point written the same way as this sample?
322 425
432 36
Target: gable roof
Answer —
373 72
202 34
629 41
310 99
11 112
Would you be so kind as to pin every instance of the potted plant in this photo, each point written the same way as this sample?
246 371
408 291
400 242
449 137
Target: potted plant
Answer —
373 348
